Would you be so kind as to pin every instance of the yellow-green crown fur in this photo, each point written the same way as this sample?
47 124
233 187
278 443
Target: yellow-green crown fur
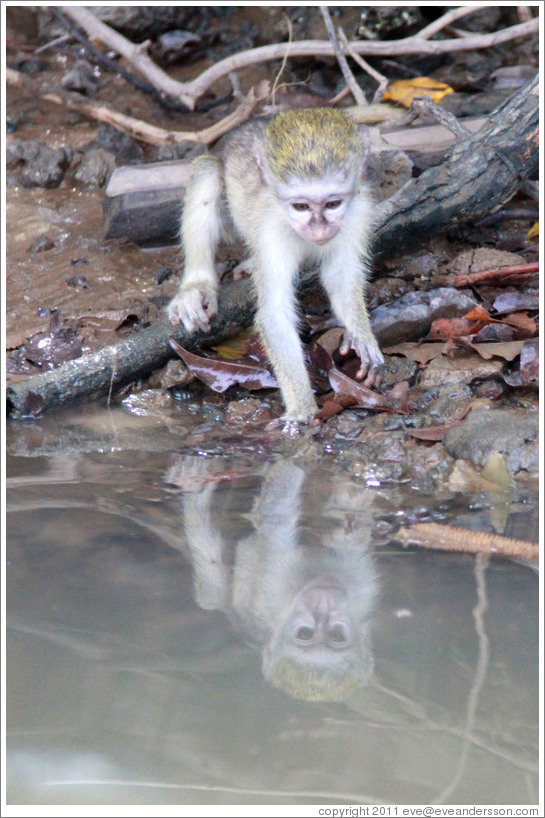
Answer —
311 143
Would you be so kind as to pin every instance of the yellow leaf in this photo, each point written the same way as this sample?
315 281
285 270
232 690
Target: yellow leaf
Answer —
533 231
235 347
404 91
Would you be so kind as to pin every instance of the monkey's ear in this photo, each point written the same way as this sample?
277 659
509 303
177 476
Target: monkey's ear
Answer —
265 172
365 139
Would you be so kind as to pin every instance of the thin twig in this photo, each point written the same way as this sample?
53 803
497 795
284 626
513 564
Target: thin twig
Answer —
380 78
516 270
349 77
135 54
428 106
446 20
64 38
151 134
284 61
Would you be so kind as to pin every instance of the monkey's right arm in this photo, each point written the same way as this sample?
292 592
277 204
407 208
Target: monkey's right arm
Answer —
274 268
196 300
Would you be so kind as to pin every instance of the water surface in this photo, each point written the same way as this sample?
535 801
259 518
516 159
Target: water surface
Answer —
159 644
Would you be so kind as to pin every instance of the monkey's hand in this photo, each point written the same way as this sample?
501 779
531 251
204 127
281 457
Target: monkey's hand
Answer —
193 307
367 350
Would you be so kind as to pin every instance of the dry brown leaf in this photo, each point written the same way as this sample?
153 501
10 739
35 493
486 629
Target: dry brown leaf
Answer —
422 353
219 375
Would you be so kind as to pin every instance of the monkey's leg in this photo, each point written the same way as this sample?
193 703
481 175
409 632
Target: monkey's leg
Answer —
344 277
277 321
196 300
204 539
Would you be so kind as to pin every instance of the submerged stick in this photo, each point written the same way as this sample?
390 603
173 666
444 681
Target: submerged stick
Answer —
450 538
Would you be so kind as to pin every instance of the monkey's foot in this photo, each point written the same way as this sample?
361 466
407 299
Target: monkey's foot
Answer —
369 354
292 427
193 308
242 270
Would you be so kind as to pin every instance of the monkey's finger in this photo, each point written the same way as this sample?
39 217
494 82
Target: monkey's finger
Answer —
210 304
193 309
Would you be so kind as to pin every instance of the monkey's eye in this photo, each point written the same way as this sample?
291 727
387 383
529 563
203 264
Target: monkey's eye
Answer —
300 206
304 634
333 204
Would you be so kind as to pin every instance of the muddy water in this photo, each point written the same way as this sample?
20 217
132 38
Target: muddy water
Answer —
156 655
118 278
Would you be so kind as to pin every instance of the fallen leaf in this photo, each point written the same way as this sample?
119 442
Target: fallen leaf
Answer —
320 359
109 320
236 347
436 433
405 91
523 322
422 353
219 375
445 329
364 398
533 231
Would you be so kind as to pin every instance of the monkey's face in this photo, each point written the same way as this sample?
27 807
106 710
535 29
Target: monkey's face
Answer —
315 210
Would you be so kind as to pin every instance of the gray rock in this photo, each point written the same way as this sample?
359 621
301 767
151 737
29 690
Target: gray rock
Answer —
511 432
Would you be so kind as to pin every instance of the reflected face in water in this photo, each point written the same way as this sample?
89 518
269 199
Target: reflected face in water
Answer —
304 600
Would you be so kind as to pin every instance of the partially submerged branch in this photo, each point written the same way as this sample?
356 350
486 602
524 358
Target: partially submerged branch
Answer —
97 374
460 540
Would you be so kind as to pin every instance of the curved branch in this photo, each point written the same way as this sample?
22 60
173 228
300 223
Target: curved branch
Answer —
323 48
446 20
189 92
137 128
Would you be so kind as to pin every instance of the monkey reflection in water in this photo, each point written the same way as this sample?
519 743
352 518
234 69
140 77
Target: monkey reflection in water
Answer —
305 596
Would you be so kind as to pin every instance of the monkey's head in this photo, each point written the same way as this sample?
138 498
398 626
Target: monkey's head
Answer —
313 160
322 652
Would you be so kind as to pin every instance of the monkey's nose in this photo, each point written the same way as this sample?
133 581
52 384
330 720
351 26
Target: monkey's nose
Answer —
321 235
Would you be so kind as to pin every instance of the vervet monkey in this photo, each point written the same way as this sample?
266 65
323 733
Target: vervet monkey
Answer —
302 593
292 188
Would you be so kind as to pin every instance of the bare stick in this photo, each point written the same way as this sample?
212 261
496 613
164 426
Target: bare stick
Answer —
443 116
189 92
106 62
516 270
449 538
380 78
98 373
135 54
320 48
446 20
151 134
349 77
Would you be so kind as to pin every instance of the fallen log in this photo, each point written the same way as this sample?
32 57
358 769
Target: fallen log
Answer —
93 376
479 174
98 374
482 172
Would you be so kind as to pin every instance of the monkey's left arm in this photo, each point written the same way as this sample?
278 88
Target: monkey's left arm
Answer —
344 278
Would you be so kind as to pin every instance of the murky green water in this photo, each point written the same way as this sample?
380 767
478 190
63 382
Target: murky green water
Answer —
193 629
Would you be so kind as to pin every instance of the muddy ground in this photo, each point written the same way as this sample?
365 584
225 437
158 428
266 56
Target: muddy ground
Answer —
71 291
